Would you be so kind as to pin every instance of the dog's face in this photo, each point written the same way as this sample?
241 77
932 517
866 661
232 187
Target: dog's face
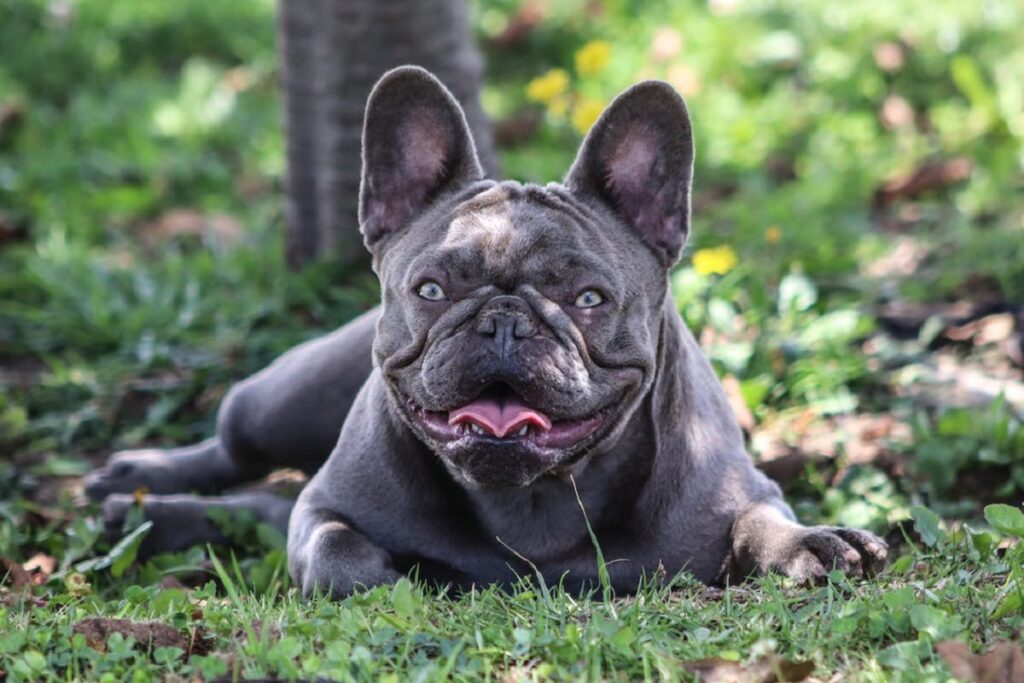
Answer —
521 323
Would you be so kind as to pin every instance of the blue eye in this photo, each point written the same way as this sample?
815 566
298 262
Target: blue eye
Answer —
589 298
431 291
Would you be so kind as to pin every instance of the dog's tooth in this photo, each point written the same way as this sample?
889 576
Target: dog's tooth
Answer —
477 429
523 430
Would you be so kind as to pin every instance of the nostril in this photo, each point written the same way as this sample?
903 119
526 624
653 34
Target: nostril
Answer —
486 325
524 328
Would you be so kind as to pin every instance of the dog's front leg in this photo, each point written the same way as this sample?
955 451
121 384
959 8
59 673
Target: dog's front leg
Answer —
328 555
766 538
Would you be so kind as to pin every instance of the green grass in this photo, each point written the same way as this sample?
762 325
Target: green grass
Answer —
118 329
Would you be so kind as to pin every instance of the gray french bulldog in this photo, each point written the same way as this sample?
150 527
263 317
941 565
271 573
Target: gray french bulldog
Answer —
526 373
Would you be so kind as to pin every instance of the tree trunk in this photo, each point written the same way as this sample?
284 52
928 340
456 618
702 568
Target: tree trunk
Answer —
332 52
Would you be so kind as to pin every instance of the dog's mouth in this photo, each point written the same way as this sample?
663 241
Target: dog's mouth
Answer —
500 416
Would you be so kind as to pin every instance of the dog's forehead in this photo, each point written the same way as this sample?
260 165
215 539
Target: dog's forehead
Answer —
516 228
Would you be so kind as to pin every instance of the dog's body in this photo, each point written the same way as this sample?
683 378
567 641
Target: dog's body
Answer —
526 374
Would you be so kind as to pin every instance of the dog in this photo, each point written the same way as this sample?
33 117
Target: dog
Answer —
525 381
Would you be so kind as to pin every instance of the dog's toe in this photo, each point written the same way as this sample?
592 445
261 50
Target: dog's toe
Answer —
872 549
114 513
128 471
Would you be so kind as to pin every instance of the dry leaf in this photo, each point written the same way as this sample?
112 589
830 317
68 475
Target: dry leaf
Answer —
931 175
991 329
770 669
1002 663
191 223
889 56
896 112
14 574
40 566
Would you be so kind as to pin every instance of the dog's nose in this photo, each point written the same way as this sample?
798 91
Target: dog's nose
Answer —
506 318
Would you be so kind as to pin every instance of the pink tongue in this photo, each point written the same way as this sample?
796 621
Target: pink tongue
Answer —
499 418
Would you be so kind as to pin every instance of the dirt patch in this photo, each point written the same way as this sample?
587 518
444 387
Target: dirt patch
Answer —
148 635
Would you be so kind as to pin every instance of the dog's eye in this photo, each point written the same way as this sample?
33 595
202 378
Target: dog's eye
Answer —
431 291
589 298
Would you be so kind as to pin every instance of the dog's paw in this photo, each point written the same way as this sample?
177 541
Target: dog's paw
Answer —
129 471
178 522
338 561
815 551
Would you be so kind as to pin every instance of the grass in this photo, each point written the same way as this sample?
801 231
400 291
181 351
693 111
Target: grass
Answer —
141 273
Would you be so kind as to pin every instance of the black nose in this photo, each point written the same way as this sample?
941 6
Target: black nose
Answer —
506 318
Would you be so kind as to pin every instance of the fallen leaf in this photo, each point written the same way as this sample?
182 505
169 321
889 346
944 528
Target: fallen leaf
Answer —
930 175
521 24
13 573
191 223
889 56
903 260
990 329
1014 348
906 318
39 567
896 112
785 443
944 380
1002 663
769 669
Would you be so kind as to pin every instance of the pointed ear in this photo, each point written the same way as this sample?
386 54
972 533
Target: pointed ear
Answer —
416 146
638 159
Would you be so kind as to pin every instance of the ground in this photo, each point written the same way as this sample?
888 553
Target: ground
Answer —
856 274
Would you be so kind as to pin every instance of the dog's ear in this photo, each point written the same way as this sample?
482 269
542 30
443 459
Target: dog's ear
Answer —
416 146
638 159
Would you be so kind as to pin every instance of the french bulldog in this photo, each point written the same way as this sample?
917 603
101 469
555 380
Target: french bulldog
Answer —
526 380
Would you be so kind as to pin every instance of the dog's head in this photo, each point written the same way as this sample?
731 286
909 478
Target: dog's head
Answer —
520 323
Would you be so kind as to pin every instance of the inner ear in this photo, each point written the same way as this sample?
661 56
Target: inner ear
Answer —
638 159
416 146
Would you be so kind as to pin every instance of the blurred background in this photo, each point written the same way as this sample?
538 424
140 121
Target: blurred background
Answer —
856 270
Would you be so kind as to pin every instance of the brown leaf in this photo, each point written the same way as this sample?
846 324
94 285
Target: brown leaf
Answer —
1002 663
889 56
13 573
786 443
1014 348
991 329
191 223
896 112
40 566
770 669
905 318
521 24
930 175
903 260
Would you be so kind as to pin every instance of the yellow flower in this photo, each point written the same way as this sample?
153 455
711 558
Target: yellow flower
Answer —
585 114
548 86
593 57
717 261
773 235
